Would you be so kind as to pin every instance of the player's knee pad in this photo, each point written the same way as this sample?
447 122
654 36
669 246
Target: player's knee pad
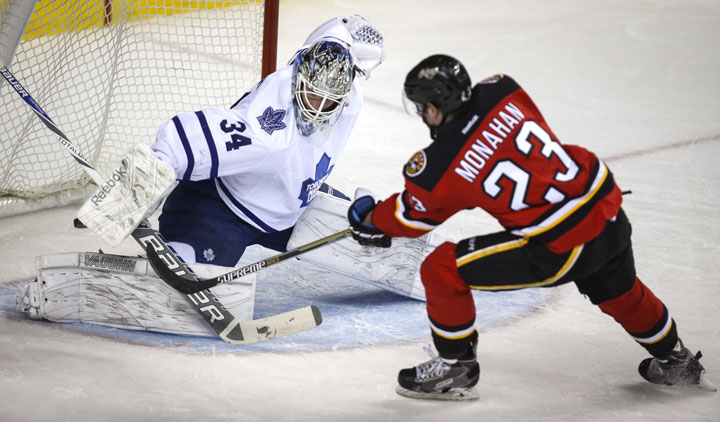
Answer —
439 271
450 303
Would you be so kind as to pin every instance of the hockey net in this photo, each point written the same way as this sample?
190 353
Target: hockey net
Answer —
109 73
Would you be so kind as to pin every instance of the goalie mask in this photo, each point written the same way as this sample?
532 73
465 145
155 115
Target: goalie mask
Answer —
322 79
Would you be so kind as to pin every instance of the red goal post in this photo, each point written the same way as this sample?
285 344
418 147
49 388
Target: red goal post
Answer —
110 72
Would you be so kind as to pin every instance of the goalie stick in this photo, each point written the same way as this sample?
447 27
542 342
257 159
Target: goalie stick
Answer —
186 286
222 322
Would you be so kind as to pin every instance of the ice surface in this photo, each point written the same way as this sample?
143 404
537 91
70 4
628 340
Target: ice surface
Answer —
638 82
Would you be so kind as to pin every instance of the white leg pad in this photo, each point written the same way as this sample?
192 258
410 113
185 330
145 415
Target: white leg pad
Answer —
132 192
124 292
396 269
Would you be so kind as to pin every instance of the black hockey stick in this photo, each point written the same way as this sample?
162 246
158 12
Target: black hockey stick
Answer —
186 286
229 328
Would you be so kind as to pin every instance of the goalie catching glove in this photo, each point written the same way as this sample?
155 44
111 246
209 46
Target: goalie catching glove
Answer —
355 33
363 230
367 48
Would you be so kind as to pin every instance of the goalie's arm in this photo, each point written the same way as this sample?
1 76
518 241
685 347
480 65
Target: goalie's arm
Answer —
211 143
191 146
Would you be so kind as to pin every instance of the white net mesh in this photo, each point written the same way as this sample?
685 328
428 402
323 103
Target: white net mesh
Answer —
109 78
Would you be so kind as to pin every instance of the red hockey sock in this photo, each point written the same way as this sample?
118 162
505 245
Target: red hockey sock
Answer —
637 310
449 299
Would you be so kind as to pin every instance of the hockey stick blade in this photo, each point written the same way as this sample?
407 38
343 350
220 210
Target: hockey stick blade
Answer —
240 333
184 285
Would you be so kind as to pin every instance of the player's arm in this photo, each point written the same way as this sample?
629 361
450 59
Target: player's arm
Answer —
191 146
210 143
360 217
400 215
405 214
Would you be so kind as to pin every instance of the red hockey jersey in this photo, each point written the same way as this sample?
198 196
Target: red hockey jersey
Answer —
501 156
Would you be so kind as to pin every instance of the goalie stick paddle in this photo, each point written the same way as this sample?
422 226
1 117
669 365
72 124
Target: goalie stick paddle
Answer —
186 286
228 327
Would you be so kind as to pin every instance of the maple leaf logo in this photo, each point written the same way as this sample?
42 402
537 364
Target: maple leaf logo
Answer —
310 186
272 120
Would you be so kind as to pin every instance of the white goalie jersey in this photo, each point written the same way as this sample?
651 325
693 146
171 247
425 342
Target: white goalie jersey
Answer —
259 160
265 170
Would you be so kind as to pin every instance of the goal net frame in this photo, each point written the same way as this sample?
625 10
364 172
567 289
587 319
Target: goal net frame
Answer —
110 72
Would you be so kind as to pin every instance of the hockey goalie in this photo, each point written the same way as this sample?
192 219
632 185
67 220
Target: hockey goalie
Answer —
251 174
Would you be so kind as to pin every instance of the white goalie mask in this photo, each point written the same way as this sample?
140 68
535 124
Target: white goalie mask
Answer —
322 79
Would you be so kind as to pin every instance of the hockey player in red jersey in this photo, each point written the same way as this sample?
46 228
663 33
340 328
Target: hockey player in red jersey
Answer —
559 205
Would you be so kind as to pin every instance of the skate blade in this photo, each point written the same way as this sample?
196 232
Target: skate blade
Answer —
454 394
705 385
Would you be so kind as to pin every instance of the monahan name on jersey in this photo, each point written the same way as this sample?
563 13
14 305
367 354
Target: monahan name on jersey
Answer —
500 155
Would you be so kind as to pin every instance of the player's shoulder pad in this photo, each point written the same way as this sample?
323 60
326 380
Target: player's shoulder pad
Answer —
416 164
268 108
499 84
426 167
492 79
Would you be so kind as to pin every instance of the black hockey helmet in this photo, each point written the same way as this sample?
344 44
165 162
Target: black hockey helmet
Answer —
441 80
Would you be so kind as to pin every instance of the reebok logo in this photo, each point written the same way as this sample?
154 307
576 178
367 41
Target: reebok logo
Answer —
108 186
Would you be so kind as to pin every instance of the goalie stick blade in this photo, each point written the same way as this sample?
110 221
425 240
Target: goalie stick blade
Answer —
249 332
239 332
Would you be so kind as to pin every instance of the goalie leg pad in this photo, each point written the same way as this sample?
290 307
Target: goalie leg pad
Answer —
396 269
133 192
124 292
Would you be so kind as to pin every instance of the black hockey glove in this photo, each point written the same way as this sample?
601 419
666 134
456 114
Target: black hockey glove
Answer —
364 233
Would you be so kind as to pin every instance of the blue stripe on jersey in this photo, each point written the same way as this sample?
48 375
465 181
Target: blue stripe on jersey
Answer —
210 142
186 146
244 210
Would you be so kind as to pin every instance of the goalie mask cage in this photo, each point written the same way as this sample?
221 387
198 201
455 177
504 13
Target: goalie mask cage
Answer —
109 73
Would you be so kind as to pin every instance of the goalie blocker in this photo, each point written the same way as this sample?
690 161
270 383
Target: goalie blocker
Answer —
132 193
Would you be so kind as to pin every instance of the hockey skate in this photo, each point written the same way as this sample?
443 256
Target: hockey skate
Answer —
681 368
440 379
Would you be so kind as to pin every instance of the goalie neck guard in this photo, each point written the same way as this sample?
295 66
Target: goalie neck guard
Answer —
322 80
